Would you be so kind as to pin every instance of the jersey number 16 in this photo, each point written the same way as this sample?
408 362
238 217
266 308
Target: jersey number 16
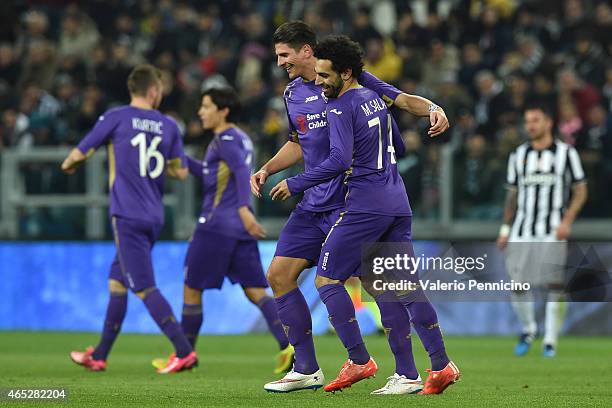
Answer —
148 153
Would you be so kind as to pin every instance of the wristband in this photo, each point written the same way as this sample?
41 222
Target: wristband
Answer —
434 108
504 231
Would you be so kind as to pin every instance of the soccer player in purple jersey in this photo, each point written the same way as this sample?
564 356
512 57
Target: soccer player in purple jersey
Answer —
224 242
376 210
143 147
300 241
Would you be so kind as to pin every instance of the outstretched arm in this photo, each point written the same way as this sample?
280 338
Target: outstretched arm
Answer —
74 159
414 104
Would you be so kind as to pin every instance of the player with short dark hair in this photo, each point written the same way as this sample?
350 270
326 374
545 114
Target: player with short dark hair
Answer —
143 147
299 244
224 243
541 173
376 210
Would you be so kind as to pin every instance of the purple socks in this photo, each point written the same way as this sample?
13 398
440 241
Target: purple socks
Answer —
294 314
396 323
425 321
191 321
115 313
342 316
161 312
268 309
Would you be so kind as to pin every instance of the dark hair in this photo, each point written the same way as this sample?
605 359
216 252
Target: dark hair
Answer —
296 34
225 98
342 52
541 106
142 78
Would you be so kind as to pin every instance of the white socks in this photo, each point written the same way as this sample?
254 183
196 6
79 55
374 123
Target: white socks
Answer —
555 313
524 307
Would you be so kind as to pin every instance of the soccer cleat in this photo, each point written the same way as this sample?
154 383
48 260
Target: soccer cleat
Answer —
294 381
399 384
350 373
549 351
160 363
438 381
523 345
85 359
284 360
176 364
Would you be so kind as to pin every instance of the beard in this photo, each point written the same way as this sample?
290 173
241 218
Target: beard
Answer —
333 90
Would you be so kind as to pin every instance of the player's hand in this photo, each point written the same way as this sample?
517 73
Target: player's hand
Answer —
67 167
502 242
250 223
439 123
257 181
563 231
280 191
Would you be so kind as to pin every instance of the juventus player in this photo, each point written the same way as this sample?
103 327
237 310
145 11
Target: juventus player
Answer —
541 174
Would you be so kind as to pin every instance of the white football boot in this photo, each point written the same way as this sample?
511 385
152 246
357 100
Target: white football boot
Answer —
294 381
399 384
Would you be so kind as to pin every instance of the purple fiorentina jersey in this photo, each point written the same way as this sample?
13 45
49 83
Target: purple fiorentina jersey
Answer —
308 127
225 172
140 144
361 144
306 109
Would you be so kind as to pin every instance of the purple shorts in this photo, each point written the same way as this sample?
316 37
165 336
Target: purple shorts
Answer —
212 256
304 234
134 241
341 253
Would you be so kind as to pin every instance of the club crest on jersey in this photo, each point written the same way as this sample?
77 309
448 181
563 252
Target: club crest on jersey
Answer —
301 122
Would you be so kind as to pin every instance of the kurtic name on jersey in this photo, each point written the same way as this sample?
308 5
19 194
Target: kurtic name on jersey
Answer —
147 125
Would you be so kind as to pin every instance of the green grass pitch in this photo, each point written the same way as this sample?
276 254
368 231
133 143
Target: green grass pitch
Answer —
233 370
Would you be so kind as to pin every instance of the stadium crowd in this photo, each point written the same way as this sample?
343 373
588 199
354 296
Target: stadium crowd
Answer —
63 63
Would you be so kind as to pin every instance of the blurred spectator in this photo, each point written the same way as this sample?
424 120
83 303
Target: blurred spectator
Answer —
476 176
382 60
489 103
39 65
79 35
441 66
10 65
583 94
471 64
570 124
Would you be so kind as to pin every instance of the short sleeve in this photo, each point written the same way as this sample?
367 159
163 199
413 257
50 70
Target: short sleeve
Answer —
511 178
99 135
176 155
574 165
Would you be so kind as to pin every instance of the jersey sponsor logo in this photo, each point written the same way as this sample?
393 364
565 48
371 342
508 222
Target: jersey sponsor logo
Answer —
301 122
227 137
336 111
311 98
540 179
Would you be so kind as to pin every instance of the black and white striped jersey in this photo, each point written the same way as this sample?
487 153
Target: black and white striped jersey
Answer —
544 179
